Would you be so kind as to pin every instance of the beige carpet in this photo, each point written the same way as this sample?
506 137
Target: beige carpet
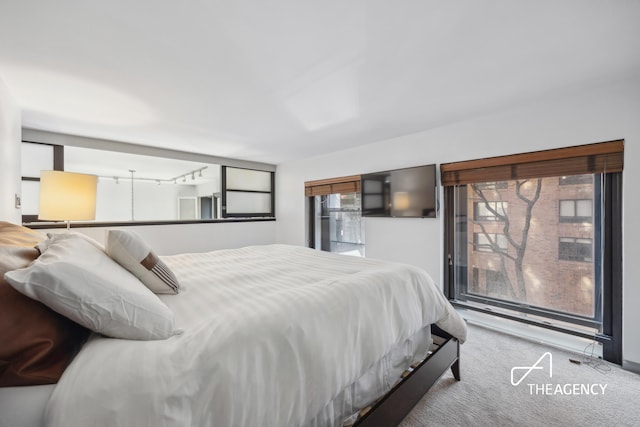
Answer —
486 396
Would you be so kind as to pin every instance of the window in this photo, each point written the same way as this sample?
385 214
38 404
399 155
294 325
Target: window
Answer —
338 221
489 211
495 185
335 215
576 179
489 242
490 282
247 193
560 271
576 210
575 249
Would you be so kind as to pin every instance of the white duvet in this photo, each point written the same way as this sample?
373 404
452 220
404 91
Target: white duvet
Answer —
271 335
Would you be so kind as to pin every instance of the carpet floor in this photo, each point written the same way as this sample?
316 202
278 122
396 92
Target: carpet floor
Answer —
556 393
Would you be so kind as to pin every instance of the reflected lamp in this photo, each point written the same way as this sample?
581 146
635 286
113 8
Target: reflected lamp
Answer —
401 200
67 196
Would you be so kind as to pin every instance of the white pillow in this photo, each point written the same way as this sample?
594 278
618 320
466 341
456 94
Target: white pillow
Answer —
79 281
43 245
130 251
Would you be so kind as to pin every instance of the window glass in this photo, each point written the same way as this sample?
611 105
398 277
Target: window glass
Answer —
567 208
247 193
576 210
489 242
492 185
584 208
576 179
562 266
238 202
337 223
524 258
487 210
573 249
247 179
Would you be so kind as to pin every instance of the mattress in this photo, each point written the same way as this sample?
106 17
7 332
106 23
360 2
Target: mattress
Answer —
25 406
272 335
375 382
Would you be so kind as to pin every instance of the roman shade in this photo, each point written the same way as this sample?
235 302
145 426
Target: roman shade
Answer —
322 187
601 157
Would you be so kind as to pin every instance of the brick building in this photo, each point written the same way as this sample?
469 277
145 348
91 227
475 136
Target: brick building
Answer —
558 266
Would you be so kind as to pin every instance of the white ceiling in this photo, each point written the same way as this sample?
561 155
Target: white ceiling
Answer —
272 81
110 164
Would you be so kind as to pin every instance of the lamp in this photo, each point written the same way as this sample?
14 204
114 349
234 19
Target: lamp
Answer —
67 196
401 200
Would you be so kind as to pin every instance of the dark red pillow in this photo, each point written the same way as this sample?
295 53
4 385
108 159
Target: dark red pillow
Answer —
37 343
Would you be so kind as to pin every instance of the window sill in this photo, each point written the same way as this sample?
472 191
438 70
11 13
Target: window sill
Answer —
533 333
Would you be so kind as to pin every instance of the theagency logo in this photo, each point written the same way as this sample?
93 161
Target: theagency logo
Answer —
528 369
549 389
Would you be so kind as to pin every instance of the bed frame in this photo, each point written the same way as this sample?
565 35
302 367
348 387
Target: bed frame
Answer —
391 409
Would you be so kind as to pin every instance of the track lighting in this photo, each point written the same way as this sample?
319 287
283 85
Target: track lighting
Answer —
175 179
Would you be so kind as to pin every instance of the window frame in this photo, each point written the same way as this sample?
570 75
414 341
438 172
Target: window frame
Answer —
577 245
325 187
574 218
494 205
492 185
602 158
493 238
224 190
574 179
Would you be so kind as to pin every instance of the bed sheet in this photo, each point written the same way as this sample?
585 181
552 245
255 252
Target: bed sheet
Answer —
24 406
272 334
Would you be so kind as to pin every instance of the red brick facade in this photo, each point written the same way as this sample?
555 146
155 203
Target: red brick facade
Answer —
556 278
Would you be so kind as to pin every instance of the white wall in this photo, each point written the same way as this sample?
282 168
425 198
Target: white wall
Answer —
10 136
165 239
152 202
209 188
604 113
170 239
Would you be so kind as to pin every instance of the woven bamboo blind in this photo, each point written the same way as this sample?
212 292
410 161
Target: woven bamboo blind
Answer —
322 187
601 157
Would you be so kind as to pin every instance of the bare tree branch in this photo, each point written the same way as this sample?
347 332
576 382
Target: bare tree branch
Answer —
494 243
519 291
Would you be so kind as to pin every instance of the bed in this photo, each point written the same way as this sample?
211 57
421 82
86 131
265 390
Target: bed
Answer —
272 335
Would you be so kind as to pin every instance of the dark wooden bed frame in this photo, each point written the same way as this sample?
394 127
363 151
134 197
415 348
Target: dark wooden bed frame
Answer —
391 409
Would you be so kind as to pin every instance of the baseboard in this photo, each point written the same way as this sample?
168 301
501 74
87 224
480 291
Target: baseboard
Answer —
628 365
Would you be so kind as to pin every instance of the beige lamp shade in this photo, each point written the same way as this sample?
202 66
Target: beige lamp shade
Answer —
67 196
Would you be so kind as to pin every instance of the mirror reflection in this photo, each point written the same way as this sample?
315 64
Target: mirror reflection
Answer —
133 187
